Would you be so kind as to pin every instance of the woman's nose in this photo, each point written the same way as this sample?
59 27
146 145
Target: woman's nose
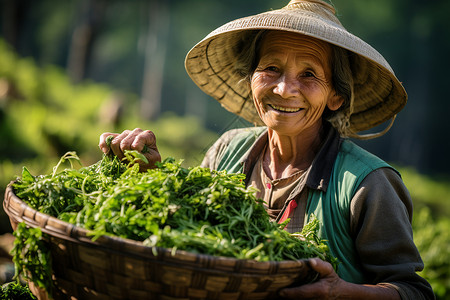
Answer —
286 87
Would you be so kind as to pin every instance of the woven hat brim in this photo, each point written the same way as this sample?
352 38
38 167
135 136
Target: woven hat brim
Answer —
378 94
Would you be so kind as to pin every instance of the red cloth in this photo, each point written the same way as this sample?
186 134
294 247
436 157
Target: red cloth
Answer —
287 212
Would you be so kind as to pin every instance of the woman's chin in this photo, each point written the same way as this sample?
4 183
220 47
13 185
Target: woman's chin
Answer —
284 128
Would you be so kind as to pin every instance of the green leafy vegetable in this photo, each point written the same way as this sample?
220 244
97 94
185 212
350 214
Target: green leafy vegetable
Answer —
31 257
193 209
15 291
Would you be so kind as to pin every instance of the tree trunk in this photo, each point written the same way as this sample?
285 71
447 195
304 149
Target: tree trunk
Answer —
84 37
156 40
10 21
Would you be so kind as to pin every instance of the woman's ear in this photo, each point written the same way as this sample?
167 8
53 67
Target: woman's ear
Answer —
334 102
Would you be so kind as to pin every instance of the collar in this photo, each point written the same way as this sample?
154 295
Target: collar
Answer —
319 172
322 165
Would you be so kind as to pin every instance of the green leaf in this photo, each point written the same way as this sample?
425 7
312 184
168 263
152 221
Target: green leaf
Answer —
26 175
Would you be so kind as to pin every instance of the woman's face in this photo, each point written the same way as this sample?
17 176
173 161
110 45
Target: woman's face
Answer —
291 85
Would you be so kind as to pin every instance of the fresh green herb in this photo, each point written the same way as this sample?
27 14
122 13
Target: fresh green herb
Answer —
108 140
193 209
31 257
15 291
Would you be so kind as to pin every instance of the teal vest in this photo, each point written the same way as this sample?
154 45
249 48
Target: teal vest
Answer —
238 147
332 207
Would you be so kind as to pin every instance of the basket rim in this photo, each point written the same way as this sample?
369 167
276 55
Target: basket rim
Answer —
19 211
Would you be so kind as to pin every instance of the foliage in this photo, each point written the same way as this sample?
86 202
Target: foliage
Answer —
31 256
194 209
432 238
15 291
431 198
428 191
43 115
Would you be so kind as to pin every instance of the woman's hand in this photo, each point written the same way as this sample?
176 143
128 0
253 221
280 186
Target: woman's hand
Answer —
331 286
143 141
325 288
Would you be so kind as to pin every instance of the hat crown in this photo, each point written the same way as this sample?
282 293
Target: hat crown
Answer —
321 8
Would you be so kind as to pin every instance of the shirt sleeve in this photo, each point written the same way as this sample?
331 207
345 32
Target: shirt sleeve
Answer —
212 157
381 214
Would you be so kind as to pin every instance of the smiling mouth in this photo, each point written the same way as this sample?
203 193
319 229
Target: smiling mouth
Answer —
285 109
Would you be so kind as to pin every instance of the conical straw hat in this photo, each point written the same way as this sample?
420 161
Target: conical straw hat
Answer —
378 94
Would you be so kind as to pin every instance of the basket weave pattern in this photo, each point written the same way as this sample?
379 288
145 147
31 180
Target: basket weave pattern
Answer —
116 268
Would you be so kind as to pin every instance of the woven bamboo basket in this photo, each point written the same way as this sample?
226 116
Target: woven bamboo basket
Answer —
113 268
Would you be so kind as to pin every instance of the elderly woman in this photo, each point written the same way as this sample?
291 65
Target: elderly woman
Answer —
311 85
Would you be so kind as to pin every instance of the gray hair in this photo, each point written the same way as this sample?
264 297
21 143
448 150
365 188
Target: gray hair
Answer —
247 54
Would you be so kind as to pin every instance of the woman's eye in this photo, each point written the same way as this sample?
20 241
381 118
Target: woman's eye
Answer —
309 74
272 69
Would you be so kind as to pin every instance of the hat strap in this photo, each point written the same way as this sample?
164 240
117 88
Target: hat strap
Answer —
369 136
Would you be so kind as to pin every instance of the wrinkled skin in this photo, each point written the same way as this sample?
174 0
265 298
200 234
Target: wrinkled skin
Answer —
291 87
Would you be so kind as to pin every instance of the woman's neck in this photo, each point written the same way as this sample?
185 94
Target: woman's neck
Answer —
286 155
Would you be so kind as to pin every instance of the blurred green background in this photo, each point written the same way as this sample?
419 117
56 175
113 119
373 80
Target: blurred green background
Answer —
70 70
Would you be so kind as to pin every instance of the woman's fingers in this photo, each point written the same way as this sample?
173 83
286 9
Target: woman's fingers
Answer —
103 145
143 141
328 283
118 146
322 267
